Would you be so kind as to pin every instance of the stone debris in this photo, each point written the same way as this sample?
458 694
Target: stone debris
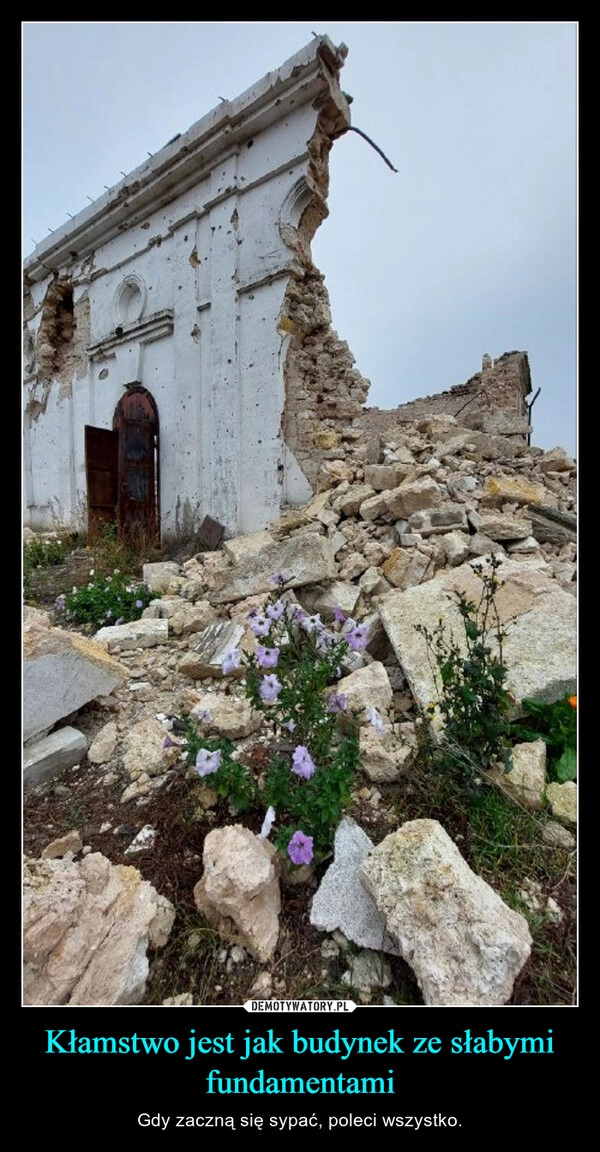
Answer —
48 757
239 889
393 533
341 901
62 671
464 944
87 928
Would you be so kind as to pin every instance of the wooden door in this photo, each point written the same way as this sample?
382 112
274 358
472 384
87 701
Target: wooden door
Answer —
136 425
102 477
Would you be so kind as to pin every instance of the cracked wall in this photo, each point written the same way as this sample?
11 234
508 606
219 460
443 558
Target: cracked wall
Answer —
324 392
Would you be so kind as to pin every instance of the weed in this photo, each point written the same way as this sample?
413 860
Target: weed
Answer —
473 698
42 552
104 600
556 725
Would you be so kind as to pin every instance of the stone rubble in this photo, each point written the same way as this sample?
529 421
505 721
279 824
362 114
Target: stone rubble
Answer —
390 537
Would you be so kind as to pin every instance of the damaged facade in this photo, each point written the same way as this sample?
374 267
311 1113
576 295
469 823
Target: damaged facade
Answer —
179 355
179 359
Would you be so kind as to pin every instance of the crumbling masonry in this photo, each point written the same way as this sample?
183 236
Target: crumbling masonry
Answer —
179 355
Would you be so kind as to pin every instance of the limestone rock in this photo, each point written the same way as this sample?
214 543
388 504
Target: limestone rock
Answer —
209 648
465 946
62 671
157 577
562 799
540 650
86 931
239 890
366 688
53 754
135 634
525 782
144 754
303 559
341 901
229 716
383 756
102 747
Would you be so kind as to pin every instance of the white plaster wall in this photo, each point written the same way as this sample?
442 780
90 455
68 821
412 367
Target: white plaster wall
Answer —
213 264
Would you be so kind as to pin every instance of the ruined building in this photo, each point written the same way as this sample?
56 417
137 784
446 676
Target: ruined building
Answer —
179 355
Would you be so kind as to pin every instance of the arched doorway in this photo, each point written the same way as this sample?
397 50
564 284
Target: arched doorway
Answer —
122 470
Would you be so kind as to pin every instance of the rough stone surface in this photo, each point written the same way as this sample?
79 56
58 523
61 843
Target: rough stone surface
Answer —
136 634
104 744
304 559
562 799
230 716
157 577
341 901
62 671
209 648
540 650
86 930
525 783
45 758
239 890
465 946
366 971
143 754
366 688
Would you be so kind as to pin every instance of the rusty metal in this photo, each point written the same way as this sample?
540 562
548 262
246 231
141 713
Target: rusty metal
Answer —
136 424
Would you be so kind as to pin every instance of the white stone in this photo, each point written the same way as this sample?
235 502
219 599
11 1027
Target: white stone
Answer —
52 754
87 928
562 799
239 890
136 634
342 902
464 944
62 671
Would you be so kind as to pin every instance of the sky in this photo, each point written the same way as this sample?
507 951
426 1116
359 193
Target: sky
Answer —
470 248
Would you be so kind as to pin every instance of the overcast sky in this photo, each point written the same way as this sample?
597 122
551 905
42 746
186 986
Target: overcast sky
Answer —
470 248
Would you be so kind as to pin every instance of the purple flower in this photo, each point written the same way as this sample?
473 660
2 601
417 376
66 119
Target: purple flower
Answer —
303 764
267 657
326 640
267 824
259 624
300 848
231 660
207 762
275 611
119 621
269 689
167 742
139 603
290 725
278 578
358 637
60 602
375 719
312 624
202 714
337 702
339 615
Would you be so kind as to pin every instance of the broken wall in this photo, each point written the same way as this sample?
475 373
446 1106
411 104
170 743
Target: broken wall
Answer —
192 280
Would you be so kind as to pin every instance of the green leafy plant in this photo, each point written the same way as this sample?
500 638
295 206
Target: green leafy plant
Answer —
103 601
556 725
307 782
42 552
472 694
